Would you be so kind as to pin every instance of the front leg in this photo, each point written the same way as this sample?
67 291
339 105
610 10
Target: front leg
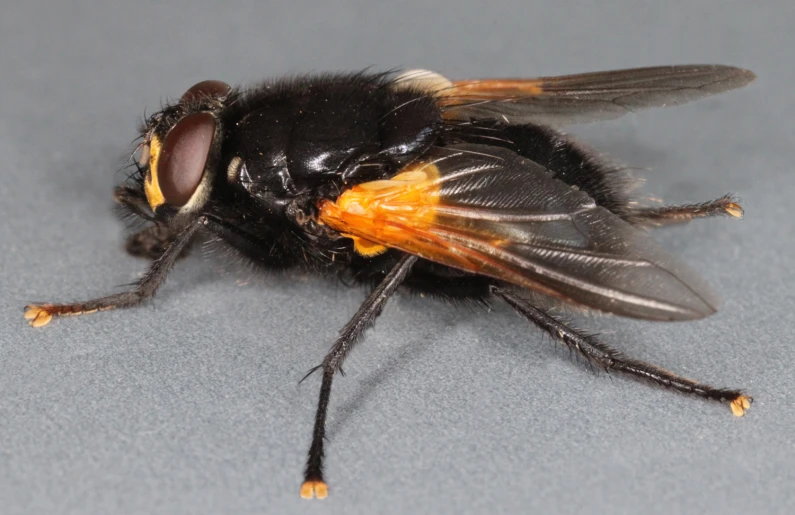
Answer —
41 314
151 242
314 485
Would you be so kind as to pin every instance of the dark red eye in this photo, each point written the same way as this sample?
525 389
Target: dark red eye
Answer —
206 88
182 159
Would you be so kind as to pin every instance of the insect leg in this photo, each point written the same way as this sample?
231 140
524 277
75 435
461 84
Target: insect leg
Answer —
610 359
39 315
151 242
726 205
314 486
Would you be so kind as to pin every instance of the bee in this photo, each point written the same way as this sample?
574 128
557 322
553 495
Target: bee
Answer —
461 190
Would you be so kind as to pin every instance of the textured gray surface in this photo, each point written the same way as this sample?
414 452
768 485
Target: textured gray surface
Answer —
191 404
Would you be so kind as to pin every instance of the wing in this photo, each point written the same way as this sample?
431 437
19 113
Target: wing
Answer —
587 97
489 211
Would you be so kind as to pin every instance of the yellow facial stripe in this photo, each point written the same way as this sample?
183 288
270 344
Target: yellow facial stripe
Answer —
151 186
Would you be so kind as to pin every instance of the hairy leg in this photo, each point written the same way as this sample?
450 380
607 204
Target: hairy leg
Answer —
599 353
41 314
726 205
314 485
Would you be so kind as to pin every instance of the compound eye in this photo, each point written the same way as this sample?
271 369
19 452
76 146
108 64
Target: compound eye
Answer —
204 89
183 156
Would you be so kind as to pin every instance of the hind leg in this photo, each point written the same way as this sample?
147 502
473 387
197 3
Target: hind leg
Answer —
607 358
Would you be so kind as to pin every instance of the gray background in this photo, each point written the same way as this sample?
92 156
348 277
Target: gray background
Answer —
191 404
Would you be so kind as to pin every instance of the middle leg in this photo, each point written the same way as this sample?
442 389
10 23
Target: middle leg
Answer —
314 485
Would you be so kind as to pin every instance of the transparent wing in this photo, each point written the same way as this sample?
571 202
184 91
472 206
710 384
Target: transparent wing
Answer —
489 211
587 97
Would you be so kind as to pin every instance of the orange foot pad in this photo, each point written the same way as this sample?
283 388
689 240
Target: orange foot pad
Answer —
740 405
37 316
314 489
734 209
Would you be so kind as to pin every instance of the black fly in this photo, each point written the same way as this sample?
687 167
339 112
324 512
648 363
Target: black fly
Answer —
461 190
